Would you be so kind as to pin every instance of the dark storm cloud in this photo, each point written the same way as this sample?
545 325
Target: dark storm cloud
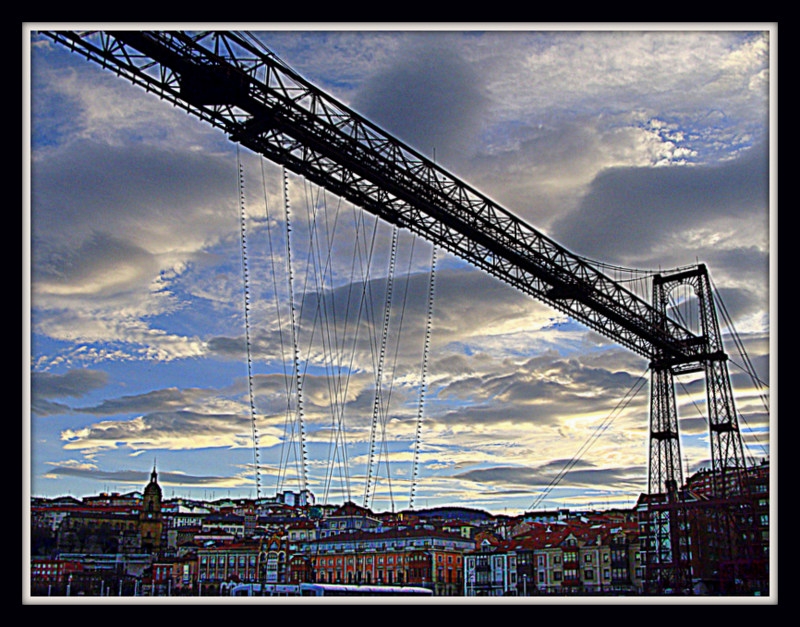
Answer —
628 211
428 97
74 383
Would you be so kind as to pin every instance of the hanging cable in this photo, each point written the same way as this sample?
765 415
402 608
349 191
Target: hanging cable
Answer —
377 404
276 293
246 293
297 382
423 382
399 336
748 365
342 372
366 268
321 318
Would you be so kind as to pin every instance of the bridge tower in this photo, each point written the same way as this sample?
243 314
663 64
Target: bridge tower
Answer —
669 546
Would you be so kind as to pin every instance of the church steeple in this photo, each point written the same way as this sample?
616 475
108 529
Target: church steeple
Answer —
150 521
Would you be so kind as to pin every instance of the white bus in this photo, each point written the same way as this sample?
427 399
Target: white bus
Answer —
270 590
345 590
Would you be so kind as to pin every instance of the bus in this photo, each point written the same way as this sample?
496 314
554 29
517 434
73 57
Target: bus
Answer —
270 590
345 590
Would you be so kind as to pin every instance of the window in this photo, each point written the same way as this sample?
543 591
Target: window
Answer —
587 558
588 574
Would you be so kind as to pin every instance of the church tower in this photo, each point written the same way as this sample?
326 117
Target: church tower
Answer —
150 522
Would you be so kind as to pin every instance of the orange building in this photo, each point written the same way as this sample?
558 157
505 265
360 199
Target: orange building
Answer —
421 556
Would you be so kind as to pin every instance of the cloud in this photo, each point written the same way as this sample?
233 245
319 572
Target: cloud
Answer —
579 473
168 398
134 477
73 383
634 213
428 96
168 430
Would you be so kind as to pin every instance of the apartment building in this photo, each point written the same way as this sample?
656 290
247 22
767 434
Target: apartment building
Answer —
557 558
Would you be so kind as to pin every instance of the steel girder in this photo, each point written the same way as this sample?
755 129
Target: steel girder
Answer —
234 83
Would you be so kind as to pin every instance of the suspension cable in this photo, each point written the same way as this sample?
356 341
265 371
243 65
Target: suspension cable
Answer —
748 365
376 406
423 382
321 317
276 292
342 377
394 368
246 294
296 373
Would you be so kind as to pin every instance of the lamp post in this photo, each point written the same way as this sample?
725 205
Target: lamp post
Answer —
525 584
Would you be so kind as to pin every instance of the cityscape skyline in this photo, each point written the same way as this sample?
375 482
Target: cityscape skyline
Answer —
139 343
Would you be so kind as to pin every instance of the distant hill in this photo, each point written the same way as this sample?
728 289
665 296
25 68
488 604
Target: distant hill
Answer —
465 514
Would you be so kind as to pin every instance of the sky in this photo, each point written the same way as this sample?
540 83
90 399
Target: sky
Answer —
645 147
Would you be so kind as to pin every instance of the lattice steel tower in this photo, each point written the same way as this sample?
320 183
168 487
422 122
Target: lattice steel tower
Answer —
669 550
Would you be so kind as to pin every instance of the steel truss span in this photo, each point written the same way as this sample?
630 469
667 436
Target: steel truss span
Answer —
233 82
